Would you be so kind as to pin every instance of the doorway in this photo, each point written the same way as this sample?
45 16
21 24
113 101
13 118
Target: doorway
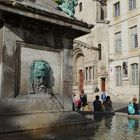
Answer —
103 84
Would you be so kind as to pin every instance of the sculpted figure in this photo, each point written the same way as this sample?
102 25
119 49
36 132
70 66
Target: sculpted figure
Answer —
39 72
67 6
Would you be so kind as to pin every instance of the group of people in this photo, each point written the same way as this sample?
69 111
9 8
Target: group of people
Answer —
133 108
104 105
80 103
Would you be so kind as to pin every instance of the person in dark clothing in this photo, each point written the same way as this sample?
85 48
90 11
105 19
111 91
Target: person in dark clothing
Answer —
83 99
136 108
108 104
97 105
135 105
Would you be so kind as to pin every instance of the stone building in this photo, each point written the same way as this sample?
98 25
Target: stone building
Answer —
36 43
91 50
124 48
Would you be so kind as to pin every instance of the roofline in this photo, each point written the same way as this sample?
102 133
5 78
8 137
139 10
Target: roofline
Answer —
33 12
86 45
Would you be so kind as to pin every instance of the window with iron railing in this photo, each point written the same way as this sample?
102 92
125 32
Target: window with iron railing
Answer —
132 4
133 37
118 42
134 74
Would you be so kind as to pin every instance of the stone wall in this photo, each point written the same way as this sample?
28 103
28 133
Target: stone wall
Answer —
54 59
42 41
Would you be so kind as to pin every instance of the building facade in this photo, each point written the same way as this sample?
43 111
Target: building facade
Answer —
90 68
124 48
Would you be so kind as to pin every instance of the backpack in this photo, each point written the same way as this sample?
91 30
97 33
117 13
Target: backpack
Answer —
131 109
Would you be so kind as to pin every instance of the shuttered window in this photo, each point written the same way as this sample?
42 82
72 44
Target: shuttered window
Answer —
134 37
132 4
134 74
118 42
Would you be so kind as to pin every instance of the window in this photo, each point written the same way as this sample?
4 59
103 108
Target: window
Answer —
102 14
86 74
89 74
132 4
118 76
117 9
90 70
118 41
100 51
93 72
125 69
134 74
133 37
80 6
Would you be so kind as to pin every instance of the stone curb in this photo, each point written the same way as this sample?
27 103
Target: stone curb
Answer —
31 122
126 115
46 127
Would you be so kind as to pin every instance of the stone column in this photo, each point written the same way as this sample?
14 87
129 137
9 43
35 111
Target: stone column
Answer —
1 44
67 73
74 75
9 63
85 74
93 73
